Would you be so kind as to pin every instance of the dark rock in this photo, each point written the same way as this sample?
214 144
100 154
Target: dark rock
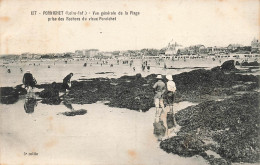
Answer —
8 95
75 112
255 63
58 86
218 161
136 92
186 146
216 69
237 63
51 101
233 124
228 65
50 95
21 90
198 85
103 72
138 76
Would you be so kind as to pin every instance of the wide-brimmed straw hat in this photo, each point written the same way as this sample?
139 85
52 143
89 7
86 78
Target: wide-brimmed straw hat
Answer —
169 77
159 76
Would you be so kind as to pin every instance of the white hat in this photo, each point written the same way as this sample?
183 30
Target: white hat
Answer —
28 71
169 77
159 76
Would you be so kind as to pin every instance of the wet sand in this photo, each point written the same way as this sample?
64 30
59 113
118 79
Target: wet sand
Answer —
104 135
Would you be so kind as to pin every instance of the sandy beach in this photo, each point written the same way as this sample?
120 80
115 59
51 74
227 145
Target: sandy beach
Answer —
109 132
117 124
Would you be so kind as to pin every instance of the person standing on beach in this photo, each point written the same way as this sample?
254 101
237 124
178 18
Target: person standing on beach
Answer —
165 66
171 88
159 88
66 81
148 67
29 80
143 67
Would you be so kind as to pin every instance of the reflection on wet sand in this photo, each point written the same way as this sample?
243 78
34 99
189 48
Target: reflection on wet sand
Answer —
67 104
165 125
73 112
159 128
30 102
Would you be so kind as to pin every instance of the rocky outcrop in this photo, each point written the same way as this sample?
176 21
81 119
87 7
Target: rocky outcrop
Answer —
75 112
228 65
136 92
50 95
233 126
255 63
10 95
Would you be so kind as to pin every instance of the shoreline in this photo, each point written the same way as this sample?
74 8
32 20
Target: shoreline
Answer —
221 93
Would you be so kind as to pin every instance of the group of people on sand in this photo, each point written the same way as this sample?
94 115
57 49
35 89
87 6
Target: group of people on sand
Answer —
164 93
29 82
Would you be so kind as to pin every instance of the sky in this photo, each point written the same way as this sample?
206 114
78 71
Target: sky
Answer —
187 22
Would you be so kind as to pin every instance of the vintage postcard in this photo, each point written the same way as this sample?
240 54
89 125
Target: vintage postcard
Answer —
127 82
